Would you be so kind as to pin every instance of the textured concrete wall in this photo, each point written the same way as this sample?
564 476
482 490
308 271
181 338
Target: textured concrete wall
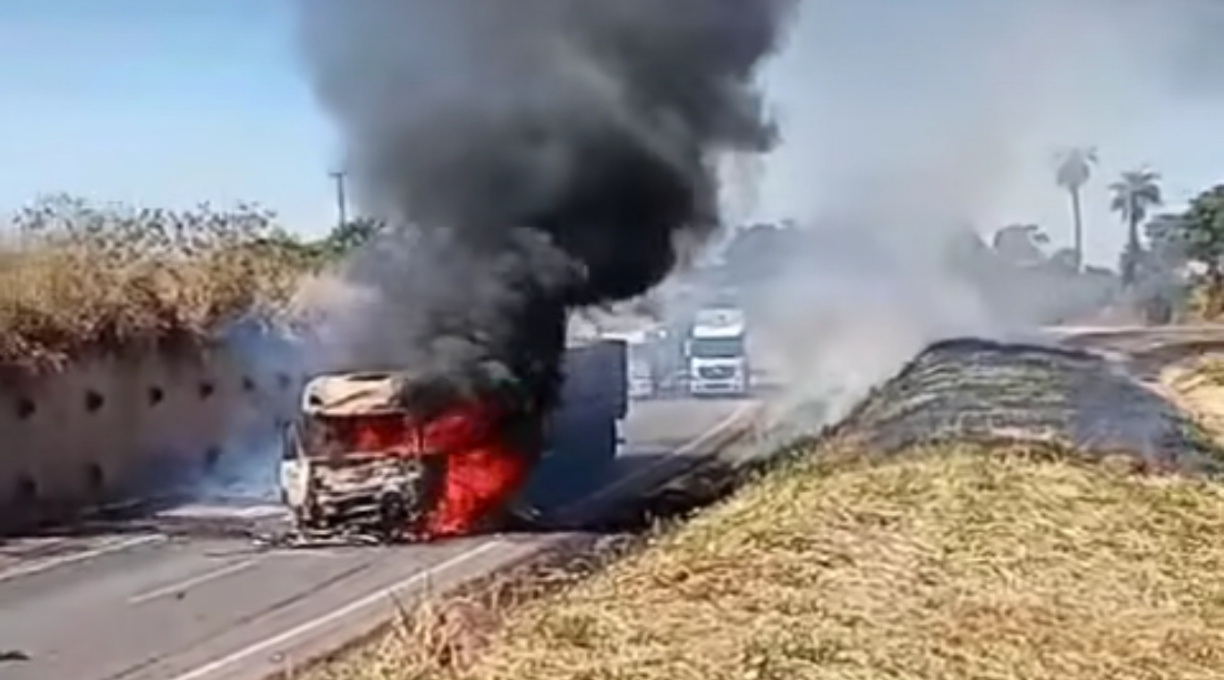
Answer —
114 428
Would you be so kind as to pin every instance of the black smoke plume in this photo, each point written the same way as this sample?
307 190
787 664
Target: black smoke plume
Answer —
535 156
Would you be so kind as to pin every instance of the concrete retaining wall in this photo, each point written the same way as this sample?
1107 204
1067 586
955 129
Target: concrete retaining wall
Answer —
115 428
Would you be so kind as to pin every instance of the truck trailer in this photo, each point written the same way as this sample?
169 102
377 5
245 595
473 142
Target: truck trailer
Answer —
717 354
355 462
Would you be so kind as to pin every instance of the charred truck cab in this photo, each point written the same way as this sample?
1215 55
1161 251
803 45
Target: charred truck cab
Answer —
356 463
353 462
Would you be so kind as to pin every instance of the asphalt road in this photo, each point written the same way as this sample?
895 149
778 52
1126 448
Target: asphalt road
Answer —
133 603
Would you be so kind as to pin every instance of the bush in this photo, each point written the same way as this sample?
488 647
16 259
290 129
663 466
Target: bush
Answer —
77 277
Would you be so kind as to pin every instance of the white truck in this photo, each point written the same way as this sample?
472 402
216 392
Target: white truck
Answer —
716 353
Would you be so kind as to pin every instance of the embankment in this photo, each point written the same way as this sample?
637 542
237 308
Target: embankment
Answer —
980 391
967 520
120 371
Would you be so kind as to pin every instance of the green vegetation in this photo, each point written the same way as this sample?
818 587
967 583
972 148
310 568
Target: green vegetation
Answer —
1202 237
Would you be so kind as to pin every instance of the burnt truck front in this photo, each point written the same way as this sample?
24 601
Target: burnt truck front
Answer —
355 461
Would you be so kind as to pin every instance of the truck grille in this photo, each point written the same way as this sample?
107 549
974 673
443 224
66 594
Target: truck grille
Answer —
716 372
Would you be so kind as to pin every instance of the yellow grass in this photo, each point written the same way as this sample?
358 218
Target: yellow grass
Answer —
954 563
1205 303
1197 387
75 278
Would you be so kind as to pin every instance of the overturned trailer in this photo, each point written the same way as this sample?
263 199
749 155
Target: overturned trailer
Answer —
357 462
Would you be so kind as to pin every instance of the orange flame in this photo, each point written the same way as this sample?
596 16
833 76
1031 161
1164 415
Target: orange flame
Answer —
483 471
377 433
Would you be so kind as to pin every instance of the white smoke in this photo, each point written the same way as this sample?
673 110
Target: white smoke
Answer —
906 123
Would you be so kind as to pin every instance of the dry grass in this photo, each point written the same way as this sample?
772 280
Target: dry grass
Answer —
943 564
1205 303
1196 386
75 277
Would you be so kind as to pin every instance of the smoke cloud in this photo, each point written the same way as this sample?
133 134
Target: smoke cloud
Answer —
533 157
912 126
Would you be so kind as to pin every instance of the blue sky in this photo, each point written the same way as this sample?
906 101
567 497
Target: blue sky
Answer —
171 102
166 102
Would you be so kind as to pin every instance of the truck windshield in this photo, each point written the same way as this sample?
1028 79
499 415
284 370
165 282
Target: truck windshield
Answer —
332 437
718 348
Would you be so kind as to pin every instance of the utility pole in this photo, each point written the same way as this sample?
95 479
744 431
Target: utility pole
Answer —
338 176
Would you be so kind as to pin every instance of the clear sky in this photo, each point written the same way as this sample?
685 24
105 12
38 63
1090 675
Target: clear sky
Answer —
172 102
165 102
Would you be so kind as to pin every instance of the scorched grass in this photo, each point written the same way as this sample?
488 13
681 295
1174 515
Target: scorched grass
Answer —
954 563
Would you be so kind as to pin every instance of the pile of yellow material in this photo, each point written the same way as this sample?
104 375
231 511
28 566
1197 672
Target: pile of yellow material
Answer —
948 563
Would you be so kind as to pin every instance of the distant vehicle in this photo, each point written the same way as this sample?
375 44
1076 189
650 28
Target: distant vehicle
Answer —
716 352
640 363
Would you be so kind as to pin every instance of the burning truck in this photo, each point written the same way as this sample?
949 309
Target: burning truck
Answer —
359 462
564 161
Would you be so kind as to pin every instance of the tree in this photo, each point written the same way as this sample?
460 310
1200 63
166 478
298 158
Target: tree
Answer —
1202 238
1063 261
347 237
1074 170
1165 236
1021 244
756 252
1203 233
1134 195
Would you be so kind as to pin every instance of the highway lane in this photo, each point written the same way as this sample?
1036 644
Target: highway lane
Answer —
134 604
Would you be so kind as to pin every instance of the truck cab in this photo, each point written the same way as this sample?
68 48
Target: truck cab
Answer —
353 459
716 353
355 462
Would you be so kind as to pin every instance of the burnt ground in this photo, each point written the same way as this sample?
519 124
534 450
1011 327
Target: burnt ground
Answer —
983 391
971 390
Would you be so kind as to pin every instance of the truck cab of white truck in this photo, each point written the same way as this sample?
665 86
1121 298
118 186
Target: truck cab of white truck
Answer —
717 354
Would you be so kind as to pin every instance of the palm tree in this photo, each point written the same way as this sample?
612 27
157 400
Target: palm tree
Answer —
1134 195
1074 169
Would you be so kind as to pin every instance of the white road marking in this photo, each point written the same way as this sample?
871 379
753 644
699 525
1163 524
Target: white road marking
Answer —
347 610
730 422
61 560
267 644
181 586
223 511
